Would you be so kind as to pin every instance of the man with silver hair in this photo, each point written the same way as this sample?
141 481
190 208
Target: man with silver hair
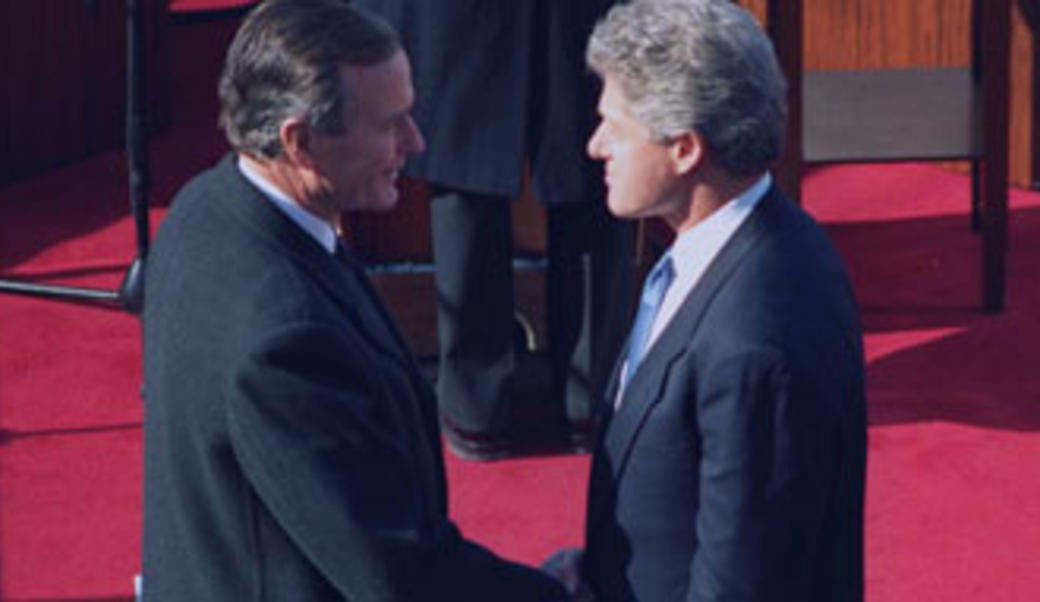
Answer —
731 461
291 444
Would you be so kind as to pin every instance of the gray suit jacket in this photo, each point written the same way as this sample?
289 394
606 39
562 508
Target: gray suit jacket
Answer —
734 466
291 443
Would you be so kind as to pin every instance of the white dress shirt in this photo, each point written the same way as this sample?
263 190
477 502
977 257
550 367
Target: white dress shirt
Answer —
693 251
319 229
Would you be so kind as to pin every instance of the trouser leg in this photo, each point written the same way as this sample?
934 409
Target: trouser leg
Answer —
589 301
472 252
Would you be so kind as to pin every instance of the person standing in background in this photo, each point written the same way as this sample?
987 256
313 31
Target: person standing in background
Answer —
500 86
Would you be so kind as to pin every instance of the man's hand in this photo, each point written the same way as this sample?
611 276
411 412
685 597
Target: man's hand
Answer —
565 567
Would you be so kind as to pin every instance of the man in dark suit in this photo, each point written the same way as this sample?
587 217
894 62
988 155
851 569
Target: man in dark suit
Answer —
291 444
500 85
731 464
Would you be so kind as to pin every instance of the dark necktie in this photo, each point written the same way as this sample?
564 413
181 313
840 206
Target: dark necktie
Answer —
346 257
654 289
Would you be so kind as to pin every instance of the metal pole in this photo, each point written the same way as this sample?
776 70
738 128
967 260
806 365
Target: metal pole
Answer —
130 295
131 291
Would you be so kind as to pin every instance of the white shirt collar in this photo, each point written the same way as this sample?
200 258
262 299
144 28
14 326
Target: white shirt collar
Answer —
319 229
693 250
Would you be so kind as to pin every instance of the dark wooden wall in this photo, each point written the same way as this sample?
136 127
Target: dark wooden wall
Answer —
62 72
873 34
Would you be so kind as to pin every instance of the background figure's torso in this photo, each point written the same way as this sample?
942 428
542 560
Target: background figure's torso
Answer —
499 84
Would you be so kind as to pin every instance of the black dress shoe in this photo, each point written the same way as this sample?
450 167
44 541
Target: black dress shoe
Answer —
476 446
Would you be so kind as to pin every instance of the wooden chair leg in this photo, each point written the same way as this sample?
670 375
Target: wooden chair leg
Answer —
784 23
976 196
996 24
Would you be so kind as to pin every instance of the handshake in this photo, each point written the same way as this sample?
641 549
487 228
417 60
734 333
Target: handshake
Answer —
565 566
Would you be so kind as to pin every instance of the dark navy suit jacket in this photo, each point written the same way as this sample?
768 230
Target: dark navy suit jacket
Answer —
733 468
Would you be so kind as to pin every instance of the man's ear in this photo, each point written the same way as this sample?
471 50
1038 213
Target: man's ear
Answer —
295 136
687 152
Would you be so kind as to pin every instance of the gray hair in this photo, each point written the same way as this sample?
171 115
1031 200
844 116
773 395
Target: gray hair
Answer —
285 62
702 65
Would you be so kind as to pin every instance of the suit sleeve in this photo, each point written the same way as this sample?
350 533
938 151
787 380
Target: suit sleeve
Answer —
765 467
331 459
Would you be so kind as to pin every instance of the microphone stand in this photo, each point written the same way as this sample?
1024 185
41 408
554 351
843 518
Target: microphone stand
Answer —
129 296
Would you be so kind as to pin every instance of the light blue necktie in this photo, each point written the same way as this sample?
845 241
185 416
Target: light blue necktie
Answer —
654 289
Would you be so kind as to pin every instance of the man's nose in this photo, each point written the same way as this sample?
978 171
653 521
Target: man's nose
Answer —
594 147
416 142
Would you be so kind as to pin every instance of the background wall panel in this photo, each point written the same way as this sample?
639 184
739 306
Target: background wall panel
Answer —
873 34
62 79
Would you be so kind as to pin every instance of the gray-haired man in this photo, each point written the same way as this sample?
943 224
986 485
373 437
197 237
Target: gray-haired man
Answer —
291 443
731 464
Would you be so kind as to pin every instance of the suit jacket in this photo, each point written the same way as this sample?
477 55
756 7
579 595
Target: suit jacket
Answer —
497 82
291 443
733 468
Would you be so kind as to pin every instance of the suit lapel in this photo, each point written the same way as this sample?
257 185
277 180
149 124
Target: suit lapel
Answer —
353 293
386 322
646 386
349 288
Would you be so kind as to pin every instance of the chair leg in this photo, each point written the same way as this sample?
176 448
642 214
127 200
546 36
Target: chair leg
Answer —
785 25
976 196
993 197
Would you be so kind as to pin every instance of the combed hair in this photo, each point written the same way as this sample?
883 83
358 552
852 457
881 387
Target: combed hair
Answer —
701 65
285 62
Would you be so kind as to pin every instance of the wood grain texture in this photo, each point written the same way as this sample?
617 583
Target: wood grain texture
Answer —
874 34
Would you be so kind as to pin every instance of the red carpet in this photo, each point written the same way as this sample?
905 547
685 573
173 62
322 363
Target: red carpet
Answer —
187 6
954 396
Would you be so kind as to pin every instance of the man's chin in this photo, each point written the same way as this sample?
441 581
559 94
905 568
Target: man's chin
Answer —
620 210
389 202
381 203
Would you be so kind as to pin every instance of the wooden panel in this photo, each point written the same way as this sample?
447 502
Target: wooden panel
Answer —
873 34
1024 153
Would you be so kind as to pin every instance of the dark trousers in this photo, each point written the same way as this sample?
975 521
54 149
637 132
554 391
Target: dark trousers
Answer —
589 283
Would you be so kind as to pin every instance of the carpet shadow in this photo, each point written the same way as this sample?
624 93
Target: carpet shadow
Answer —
7 435
60 205
933 355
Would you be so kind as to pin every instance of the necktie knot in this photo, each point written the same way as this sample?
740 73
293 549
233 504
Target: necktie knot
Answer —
659 279
343 253
654 289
